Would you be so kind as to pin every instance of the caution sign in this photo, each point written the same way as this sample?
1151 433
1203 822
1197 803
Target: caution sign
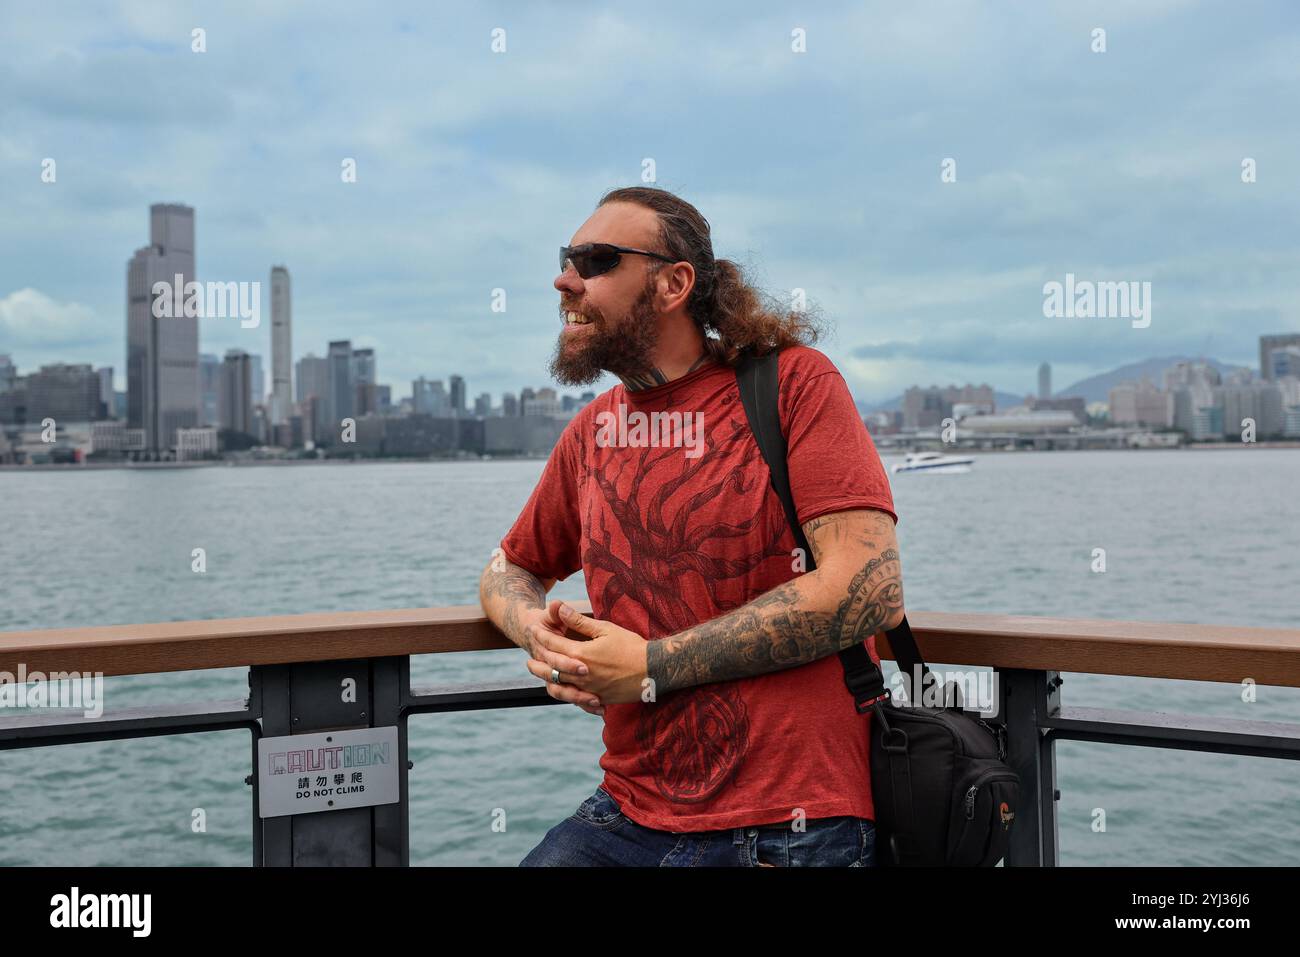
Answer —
327 771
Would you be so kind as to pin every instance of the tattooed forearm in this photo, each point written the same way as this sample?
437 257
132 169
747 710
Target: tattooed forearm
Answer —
506 589
780 629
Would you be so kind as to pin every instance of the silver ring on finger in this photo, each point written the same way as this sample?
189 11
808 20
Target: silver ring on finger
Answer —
555 676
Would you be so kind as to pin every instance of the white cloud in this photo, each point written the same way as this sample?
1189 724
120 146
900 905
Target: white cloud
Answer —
28 317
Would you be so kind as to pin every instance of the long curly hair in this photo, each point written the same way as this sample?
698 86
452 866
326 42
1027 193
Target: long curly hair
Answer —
733 315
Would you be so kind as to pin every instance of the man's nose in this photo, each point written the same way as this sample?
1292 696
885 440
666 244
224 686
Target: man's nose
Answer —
569 281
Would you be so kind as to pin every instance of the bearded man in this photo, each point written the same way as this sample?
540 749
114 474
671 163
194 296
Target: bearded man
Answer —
730 737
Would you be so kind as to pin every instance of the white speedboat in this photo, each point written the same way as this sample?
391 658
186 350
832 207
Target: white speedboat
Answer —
933 462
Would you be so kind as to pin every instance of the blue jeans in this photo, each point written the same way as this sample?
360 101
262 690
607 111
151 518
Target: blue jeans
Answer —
598 834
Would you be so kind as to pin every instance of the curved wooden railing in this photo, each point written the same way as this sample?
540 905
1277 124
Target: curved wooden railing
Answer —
1269 656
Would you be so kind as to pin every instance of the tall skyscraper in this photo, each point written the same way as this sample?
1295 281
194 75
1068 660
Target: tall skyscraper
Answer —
342 385
281 346
162 355
457 396
236 389
1044 381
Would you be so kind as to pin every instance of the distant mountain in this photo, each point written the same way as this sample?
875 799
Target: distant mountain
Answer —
1093 389
1097 388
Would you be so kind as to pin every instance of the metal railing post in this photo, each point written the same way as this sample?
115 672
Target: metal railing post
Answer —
1028 698
308 697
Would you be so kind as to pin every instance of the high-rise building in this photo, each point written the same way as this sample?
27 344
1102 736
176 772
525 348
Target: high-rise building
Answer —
1140 403
1193 406
105 374
1262 402
162 354
457 396
509 404
342 386
236 392
483 404
1044 381
281 346
209 389
526 395
257 386
366 398
545 402
1285 361
429 398
311 386
363 365
64 393
1191 388
1267 344
8 374
312 378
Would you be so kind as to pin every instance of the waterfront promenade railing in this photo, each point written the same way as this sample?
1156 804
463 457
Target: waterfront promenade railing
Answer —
297 664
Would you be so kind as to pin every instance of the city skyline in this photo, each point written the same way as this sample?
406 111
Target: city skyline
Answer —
458 196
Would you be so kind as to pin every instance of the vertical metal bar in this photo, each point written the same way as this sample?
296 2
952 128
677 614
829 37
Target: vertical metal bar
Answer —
340 838
271 686
1028 697
254 705
257 821
390 680
1049 706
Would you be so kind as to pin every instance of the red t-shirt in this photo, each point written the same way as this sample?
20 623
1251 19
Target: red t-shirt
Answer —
675 526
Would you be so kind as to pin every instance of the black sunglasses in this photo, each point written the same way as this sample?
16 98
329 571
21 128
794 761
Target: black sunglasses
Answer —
595 259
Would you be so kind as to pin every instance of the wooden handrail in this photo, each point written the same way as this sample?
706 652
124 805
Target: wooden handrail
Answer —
1270 656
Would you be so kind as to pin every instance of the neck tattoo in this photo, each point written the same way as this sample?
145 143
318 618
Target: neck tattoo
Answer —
638 381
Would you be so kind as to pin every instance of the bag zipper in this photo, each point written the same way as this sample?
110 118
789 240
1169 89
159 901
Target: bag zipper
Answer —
973 790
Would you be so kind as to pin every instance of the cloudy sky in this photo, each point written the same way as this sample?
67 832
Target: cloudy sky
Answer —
818 170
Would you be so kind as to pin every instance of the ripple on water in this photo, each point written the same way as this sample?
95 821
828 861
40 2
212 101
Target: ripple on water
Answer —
1013 536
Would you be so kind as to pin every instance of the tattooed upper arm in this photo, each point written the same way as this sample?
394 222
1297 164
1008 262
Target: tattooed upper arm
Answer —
861 545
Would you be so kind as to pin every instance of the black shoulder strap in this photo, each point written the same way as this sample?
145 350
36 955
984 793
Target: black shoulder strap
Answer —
757 379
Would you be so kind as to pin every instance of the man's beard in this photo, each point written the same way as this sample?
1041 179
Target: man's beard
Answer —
624 348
